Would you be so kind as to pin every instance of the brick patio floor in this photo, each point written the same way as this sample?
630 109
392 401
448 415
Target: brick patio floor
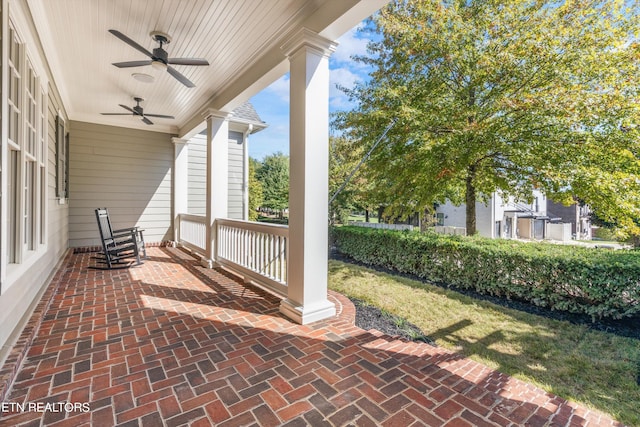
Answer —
171 343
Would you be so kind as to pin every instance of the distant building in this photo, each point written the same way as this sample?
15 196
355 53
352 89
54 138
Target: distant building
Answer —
577 215
498 218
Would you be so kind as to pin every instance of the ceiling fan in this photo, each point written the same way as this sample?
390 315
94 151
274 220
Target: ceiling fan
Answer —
159 58
138 111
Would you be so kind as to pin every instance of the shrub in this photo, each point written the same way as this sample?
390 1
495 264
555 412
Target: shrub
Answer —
600 283
603 233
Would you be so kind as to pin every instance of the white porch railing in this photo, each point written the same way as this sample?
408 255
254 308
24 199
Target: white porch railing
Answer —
192 232
254 250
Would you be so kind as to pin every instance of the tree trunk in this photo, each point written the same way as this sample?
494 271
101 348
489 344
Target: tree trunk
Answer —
470 200
366 215
470 189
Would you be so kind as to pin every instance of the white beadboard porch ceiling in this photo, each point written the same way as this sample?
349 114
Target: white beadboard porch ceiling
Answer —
241 39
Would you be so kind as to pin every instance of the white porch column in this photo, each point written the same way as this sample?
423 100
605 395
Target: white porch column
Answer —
217 177
306 300
180 183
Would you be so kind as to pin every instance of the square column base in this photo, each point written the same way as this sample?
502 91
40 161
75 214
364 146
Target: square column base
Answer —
207 263
307 314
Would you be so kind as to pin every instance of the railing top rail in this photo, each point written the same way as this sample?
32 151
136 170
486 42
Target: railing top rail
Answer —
275 229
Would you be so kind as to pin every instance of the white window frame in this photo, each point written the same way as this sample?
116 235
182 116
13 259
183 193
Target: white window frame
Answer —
24 167
61 160
15 174
43 189
31 153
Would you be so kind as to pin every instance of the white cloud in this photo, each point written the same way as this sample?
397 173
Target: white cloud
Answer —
280 88
343 77
273 102
350 44
271 140
344 70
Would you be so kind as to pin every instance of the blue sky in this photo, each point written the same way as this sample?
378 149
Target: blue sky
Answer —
272 104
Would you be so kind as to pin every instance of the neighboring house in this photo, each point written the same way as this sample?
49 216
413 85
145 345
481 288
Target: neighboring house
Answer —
498 218
61 158
244 122
579 216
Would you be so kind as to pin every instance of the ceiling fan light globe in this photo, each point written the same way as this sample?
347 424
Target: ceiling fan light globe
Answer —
145 78
159 65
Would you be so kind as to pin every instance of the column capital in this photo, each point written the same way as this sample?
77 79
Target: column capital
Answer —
213 113
177 141
305 38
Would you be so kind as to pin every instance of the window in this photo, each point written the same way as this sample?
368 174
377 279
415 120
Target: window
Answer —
439 218
29 209
61 159
31 119
26 156
30 148
14 192
14 155
15 82
42 164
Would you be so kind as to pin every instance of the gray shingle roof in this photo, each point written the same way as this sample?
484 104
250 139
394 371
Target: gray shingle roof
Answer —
247 113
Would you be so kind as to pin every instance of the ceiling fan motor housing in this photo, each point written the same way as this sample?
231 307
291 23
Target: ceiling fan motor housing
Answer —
159 54
137 109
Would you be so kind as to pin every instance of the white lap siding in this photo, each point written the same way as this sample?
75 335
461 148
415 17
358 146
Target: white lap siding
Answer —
128 171
197 175
235 175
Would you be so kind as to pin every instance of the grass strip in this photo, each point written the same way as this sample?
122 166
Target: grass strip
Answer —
597 369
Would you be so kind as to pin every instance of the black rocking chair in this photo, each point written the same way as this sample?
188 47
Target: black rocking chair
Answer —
119 246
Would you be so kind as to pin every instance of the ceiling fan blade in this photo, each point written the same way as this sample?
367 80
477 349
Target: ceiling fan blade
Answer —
115 114
187 61
131 64
182 79
160 116
127 108
130 42
147 121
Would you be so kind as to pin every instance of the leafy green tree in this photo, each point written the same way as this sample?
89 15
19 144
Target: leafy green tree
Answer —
273 174
348 180
504 96
348 187
256 195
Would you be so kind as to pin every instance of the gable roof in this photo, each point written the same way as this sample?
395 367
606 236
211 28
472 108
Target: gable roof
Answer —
246 113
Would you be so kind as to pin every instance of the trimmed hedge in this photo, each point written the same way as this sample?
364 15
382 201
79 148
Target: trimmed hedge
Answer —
600 283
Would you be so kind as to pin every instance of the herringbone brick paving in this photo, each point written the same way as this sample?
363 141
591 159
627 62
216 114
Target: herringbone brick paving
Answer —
170 343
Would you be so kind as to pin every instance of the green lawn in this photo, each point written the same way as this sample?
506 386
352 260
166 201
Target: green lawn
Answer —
273 219
373 218
597 369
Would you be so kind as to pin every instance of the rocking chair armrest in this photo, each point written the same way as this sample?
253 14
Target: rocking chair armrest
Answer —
135 229
122 239
127 230
123 234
